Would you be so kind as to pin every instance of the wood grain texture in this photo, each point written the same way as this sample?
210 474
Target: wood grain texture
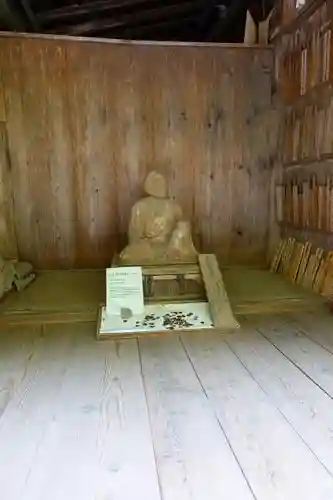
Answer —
316 327
302 403
86 440
173 418
87 120
306 354
8 241
2 102
16 351
217 296
184 445
248 417
27 414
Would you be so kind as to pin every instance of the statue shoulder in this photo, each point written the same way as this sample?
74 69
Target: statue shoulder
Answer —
177 210
138 205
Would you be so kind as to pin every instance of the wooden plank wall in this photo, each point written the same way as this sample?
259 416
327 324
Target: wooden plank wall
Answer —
8 244
304 72
87 119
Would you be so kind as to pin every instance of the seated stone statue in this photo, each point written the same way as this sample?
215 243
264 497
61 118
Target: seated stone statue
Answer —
157 232
14 274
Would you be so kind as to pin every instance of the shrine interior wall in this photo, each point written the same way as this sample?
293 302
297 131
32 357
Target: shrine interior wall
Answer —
304 77
83 121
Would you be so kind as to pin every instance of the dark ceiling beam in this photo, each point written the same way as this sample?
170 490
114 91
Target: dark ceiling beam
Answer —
92 8
151 31
126 21
30 14
12 17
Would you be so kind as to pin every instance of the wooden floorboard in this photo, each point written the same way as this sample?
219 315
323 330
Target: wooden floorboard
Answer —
197 417
306 407
100 442
318 327
310 357
16 350
29 413
193 456
277 463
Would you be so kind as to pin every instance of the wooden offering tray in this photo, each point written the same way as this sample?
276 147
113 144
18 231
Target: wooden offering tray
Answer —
178 298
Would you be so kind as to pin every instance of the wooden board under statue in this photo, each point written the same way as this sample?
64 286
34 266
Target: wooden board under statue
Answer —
183 290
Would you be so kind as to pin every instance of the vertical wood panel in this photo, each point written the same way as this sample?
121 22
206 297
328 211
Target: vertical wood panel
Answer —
8 246
11 70
87 121
2 102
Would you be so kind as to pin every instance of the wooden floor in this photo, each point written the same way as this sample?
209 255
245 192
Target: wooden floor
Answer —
75 296
238 417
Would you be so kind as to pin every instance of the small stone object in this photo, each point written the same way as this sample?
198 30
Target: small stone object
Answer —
173 320
176 319
125 314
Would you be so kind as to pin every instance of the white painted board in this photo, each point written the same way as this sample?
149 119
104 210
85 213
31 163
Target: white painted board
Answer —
159 318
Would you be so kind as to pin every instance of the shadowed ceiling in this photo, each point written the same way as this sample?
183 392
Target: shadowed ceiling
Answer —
174 20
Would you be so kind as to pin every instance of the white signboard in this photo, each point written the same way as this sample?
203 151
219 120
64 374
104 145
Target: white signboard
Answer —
124 290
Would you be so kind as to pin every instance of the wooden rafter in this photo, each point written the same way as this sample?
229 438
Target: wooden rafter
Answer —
145 17
100 7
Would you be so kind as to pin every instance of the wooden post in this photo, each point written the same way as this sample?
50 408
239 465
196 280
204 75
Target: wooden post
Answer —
251 32
219 304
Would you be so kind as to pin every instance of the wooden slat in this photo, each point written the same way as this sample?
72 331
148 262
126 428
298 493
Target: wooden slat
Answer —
247 415
187 437
217 296
289 390
8 243
2 102
277 256
304 262
301 350
316 326
16 349
279 200
287 256
296 261
312 268
327 284
321 273
104 416
327 204
33 400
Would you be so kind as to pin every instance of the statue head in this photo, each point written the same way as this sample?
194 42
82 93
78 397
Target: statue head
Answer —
155 185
